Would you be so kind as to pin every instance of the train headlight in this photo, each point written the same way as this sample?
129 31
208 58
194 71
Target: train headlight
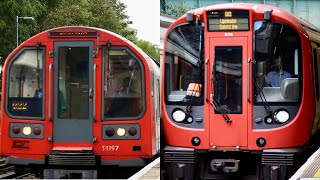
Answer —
178 115
121 131
281 116
26 130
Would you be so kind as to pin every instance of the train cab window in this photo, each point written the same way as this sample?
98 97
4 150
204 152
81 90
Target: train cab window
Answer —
123 85
277 71
25 85
184 65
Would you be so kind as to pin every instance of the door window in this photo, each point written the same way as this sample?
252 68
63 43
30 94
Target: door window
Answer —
228 78
73 83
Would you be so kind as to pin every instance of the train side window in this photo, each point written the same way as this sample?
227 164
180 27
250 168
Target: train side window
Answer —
316 75
123 85
25 85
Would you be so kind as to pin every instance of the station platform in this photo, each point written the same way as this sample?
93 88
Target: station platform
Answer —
309 170
151 171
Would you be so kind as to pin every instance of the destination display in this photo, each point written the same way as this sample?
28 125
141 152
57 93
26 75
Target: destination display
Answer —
228 20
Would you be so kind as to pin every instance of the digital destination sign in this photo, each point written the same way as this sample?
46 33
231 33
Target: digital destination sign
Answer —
228 20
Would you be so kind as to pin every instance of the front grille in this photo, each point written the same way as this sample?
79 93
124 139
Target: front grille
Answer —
72 159
179 156
278 158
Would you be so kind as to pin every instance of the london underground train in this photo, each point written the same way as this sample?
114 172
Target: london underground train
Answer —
240 92
79 96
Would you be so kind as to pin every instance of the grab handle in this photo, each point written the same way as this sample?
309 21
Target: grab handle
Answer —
50 104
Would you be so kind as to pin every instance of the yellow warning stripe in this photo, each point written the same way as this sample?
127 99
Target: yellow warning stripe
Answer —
317 174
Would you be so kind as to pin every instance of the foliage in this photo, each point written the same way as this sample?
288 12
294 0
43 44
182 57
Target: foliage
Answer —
177 9
9 10
105 14
151 49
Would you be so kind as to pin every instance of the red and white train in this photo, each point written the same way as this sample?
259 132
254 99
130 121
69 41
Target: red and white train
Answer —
226 105
79 96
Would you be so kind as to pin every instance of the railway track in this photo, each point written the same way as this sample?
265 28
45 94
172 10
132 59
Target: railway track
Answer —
9 171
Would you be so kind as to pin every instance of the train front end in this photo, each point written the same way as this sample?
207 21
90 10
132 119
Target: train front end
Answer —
225 107
79 97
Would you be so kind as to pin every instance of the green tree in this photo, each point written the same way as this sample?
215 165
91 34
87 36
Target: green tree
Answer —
9 10
152 50
105 14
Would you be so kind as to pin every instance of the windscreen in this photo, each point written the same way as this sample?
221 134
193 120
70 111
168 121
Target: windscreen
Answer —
184 64
277 73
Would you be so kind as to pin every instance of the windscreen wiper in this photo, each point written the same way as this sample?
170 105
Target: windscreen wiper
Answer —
222 109
262 97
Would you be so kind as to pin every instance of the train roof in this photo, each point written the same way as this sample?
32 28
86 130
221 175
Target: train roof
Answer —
278 13
45 34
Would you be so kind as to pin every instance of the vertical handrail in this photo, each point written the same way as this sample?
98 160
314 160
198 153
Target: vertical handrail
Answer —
248 82
50 92
94 92
206 79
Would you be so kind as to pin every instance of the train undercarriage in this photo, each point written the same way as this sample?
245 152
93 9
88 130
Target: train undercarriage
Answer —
187 163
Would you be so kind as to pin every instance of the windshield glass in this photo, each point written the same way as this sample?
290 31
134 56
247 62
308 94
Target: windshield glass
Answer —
184 64
277 69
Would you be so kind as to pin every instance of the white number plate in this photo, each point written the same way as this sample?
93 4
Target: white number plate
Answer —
110 148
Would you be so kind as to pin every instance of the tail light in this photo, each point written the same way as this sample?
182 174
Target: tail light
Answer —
132 131
16 129
37 131
109 131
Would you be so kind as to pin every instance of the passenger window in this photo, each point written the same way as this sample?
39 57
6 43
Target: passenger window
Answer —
25 84
123 85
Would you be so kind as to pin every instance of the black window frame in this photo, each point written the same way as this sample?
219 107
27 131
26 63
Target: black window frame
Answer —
143 83
12 60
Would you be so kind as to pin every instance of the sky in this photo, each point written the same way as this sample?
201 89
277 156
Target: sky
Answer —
145 17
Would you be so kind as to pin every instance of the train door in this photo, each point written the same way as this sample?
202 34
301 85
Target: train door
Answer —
73 92
228 113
